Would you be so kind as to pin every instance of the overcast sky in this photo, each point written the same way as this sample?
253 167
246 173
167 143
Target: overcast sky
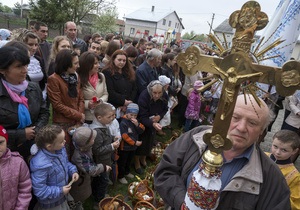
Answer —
195 14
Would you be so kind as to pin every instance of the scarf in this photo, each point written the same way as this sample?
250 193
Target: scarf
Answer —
71 80
94 80
17 94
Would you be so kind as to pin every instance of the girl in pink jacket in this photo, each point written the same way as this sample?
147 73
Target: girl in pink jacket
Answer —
15 182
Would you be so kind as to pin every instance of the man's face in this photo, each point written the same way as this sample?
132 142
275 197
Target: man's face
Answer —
42 33
148 48
157 61
246 124
96 48
71 31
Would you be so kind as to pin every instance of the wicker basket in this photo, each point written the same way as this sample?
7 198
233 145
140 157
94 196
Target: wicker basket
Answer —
112 203
140 191
144 205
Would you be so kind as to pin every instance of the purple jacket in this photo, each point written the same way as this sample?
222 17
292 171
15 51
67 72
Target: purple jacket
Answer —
193 108
15 182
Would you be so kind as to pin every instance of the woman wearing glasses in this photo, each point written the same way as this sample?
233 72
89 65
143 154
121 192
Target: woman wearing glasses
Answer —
65 94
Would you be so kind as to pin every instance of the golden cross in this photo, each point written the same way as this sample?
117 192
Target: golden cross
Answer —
237 68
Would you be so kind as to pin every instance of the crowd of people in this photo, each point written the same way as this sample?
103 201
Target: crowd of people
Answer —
109 99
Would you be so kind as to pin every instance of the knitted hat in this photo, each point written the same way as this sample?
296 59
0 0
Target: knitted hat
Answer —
207 94
4 33
164 80
198 84
83 135
3 132
132 108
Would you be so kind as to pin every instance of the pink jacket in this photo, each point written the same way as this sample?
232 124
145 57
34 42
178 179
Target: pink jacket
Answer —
15 182
193 108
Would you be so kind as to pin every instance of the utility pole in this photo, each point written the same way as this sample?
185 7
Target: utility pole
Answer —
21 9
211 24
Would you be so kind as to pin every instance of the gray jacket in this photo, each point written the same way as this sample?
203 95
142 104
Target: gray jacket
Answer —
258 185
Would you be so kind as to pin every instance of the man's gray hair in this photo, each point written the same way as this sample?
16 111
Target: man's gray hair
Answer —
154 53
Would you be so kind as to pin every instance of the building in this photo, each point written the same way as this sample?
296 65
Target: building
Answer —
163 24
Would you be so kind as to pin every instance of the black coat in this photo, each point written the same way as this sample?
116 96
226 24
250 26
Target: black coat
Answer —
39 114
119 88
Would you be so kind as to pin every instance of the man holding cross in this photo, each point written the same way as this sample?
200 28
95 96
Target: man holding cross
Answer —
249 179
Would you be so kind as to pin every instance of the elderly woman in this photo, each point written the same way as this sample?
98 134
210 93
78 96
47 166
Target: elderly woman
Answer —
93 83
120 81
22 108
153 105
65 94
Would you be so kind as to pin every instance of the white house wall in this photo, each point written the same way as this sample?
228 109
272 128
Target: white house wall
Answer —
139 25
153 27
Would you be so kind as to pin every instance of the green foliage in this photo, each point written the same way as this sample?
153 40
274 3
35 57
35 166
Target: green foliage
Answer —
106 22
193 36
56 12
17 9
4 8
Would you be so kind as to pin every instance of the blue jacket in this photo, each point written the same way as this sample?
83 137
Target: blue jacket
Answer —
49 173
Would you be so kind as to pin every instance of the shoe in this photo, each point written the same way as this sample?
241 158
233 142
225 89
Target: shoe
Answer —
123 181
130 176
161 133
144 165
139 171
110 182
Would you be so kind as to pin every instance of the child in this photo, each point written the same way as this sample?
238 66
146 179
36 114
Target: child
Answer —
83 140
130 130
172 102
192 112
51 169
103 147
15 190
285 144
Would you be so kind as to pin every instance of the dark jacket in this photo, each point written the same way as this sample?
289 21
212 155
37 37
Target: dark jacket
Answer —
130 134
119 88
148 108
102 148
144 75
39 114
258 185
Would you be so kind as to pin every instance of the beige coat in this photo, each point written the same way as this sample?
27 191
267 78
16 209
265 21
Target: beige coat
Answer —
89 92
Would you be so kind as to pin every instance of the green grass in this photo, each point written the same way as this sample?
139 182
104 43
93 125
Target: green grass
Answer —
122 189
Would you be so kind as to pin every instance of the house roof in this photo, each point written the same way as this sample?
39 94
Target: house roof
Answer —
224 27
146 14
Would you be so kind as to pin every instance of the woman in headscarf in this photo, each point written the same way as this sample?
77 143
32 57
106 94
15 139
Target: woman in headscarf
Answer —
153 105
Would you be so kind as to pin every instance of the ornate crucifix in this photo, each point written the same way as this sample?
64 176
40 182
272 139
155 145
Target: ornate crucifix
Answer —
235 69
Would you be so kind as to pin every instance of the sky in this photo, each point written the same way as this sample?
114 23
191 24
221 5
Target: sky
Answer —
195 14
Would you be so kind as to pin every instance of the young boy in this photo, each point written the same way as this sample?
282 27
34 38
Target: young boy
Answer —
83 140
130 130
103 147
285 144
